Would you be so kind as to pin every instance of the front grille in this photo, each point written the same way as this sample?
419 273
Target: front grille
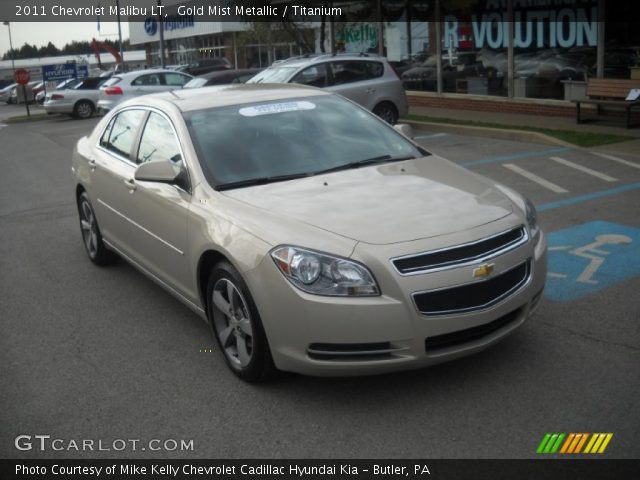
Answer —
473 296
351 351
453 339
461 254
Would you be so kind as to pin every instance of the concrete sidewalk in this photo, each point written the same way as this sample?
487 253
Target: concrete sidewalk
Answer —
613 126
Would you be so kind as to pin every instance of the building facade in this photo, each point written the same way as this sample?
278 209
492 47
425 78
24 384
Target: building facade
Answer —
531 49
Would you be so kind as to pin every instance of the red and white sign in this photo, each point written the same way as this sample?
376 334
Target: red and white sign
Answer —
22 76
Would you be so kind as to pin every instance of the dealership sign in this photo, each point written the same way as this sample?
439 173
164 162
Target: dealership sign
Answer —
568 24
63 71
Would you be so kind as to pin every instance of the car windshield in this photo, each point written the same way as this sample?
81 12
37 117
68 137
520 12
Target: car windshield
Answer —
273 75
283 139
195 83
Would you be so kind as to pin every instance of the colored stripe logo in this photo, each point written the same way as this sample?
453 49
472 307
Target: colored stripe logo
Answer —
574 443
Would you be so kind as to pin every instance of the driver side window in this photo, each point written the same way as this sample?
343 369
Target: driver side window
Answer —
158 142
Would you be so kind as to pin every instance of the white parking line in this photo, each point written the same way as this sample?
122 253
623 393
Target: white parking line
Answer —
584 169
535 178
616 159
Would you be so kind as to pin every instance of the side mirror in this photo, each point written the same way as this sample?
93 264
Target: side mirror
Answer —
405 129
162 172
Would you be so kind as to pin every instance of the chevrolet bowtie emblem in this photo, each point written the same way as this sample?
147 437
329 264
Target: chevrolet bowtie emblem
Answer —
483 270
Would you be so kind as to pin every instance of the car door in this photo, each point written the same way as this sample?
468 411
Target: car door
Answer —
358 80
173 80
314 75
159 211
147 83
110 171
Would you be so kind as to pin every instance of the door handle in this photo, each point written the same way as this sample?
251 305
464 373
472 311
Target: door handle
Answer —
131 185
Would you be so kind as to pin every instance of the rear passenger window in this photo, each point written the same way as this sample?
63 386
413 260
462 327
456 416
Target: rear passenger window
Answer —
176 79
158 142
122 132
147 80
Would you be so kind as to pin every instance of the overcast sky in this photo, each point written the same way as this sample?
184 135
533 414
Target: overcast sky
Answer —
59 33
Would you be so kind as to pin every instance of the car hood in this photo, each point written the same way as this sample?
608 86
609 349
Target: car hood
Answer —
385 204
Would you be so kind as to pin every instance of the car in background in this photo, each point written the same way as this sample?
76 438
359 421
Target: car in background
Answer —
24 93
455 67
366 79
223 77
79 101
5 93
62 85
123 86
206 65
312 237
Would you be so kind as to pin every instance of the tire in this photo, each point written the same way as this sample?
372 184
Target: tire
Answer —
91 238
83 109
236 325
387 112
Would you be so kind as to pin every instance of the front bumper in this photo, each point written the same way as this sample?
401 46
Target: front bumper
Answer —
310 334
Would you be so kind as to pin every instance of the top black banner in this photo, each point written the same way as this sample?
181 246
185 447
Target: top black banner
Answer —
307 10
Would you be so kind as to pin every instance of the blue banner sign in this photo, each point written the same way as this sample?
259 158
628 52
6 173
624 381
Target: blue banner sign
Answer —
63 71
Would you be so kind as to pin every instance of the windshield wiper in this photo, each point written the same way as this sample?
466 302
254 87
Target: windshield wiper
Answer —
259 181
366 162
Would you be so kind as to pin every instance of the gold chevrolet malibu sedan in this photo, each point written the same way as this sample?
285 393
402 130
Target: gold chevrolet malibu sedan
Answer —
311 236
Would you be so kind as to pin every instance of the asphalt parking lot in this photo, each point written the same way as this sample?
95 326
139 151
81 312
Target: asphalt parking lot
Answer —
90 353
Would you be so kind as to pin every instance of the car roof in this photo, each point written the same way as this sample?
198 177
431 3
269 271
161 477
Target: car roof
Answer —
317 58
229 73
225 95
135 73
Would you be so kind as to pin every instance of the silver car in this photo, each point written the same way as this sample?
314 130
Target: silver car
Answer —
312 236
368 80
123 86
79 101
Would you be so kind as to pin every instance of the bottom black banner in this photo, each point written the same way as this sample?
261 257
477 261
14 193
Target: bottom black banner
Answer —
329 469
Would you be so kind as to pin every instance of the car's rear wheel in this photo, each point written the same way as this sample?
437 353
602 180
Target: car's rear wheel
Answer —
237 326
387 112
83 109
96 249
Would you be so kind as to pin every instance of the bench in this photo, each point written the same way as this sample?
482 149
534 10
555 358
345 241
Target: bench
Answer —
609 92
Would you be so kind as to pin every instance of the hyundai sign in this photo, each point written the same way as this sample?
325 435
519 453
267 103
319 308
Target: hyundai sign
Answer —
63 71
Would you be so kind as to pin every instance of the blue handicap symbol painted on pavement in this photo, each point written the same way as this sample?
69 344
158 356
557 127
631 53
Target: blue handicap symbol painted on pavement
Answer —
589 257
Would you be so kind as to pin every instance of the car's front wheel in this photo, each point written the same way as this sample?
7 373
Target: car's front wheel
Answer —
387 112
96 249
237 326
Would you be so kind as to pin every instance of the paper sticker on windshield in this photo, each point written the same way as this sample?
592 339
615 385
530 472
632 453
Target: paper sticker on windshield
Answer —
270 108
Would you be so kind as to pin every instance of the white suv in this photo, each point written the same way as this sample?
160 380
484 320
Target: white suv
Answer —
365 79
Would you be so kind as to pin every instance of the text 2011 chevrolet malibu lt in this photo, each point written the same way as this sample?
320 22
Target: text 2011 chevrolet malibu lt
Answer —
311 235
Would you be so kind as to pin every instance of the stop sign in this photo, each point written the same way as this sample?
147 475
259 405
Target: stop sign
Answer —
22 76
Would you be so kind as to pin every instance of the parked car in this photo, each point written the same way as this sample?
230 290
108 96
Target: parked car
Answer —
223 77
367 80
458 66
24 95
79 101
5 93
62 85
207 65
123 86
312 236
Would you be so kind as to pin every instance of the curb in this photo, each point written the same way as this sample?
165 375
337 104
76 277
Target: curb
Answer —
20 119
502 134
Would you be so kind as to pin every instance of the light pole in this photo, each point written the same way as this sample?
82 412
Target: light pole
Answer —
11 52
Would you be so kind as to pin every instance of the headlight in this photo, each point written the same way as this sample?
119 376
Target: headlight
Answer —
532 217
322 274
